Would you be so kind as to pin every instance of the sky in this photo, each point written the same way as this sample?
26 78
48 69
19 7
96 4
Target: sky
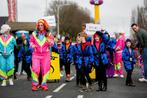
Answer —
115 14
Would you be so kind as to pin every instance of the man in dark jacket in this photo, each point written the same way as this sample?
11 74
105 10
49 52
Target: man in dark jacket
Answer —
142 41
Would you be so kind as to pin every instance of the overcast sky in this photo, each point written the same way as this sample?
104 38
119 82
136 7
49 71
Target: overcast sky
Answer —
115 14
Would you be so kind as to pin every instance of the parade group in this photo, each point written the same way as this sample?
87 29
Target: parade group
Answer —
107 55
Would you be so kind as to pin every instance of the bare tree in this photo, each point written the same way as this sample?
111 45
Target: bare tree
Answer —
71 16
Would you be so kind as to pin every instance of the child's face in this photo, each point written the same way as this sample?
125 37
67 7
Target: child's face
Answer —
128 44
97 38
117 35
25 42
78 39
67 41
83 40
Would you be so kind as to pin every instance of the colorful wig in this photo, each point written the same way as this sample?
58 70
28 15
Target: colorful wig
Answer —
44 22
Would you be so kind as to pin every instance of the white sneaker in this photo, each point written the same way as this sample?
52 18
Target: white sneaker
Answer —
122 76
141 79
116 75
11 82
145 80
4 83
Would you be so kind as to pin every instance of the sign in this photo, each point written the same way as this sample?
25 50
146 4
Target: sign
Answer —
92 28
51 20
54 73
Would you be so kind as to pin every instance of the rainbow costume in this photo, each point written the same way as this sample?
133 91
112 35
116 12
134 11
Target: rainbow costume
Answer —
7 43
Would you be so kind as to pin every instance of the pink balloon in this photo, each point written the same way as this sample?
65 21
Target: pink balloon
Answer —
96 2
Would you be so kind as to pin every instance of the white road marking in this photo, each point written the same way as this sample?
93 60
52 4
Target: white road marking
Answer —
59 88
72 77
80 96
49 96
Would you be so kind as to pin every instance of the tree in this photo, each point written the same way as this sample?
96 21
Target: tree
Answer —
71 16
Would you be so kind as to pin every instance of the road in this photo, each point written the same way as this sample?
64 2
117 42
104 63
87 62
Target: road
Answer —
116 89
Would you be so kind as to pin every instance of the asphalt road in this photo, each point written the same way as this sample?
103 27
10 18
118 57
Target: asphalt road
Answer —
116 89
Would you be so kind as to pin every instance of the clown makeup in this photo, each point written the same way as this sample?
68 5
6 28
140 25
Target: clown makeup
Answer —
128 44
40 26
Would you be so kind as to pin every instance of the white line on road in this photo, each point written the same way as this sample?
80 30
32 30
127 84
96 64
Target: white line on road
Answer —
72 77
59 88
80 96
49 96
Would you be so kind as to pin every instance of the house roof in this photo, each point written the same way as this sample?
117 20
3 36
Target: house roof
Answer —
28 26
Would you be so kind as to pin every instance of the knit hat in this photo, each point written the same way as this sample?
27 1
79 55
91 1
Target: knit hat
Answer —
128 40
67 38
98 33
5 28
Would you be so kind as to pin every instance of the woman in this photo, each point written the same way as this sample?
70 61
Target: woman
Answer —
7 43
41 41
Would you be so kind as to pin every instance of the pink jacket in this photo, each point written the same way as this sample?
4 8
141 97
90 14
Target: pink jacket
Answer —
41 46
120 43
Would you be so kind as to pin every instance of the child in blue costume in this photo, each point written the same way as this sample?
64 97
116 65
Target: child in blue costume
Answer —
110 44
128 56
66 52
7 43
100 61
77 60
25 54
87 60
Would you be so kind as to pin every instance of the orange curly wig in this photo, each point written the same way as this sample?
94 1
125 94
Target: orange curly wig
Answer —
44 22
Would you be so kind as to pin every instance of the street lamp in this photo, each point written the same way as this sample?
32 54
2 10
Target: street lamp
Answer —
58 16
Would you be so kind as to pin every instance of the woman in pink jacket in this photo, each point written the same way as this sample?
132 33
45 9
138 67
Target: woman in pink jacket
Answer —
41 41
120 44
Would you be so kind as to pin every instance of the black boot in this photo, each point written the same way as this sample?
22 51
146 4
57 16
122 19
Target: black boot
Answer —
100 86
104 85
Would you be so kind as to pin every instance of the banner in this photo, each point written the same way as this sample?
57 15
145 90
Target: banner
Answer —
92 28
51 20
55 67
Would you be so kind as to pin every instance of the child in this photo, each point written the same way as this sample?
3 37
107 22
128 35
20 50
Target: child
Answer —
87 60
120 43
110 44
100 61
128 56
25 54
59 46
66 52
77 60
